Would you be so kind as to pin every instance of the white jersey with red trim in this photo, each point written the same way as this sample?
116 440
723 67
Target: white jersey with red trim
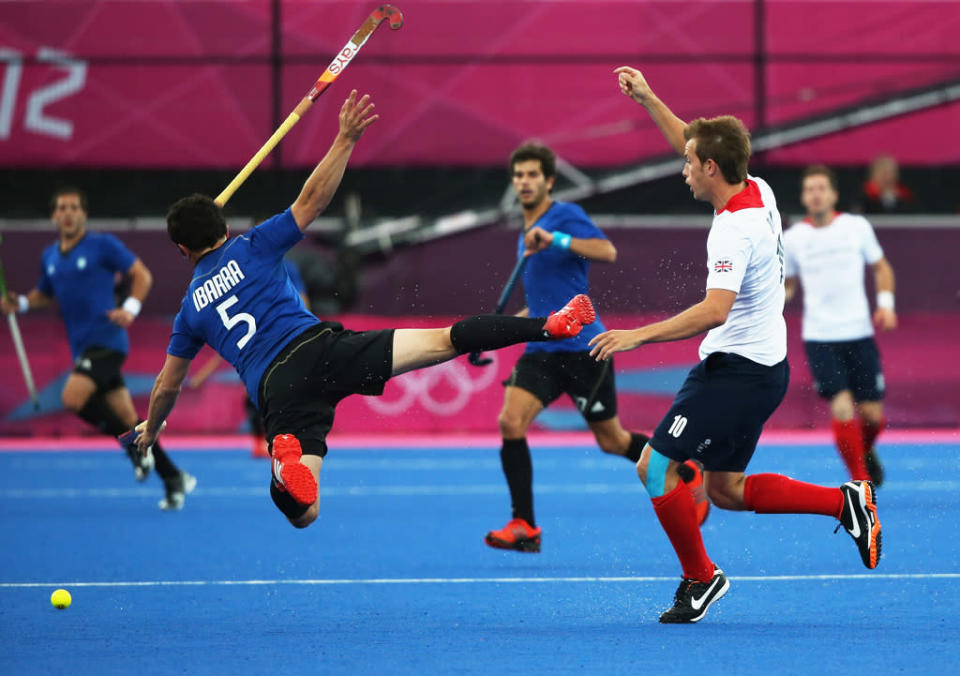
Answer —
745 255
829 260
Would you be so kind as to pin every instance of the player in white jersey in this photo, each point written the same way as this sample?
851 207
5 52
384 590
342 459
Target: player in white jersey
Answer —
719 412
827 252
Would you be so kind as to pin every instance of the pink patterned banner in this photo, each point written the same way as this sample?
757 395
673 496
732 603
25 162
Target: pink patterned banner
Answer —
921 369
165 83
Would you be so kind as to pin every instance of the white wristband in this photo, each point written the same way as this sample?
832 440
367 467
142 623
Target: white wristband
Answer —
885 300
23 304
132 305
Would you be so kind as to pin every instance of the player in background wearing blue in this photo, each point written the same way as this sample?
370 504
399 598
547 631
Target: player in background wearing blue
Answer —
719 412
77 272
260 447
561 241
296 367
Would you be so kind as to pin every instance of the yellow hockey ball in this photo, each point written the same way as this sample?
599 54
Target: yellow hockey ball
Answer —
61 599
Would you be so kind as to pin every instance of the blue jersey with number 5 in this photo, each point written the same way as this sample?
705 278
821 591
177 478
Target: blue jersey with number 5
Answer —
242 303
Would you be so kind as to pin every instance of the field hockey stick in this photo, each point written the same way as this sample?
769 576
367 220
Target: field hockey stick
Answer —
475 359
333 71
18 345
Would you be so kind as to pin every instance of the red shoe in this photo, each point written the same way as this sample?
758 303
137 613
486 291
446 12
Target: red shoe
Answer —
569 320
692 476
260 448
289 473
517 534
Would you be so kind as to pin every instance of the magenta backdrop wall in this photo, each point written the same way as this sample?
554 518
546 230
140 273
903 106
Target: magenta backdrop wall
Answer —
162 83
921 368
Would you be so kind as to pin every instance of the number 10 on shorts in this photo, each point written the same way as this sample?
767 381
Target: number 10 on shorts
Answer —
679 424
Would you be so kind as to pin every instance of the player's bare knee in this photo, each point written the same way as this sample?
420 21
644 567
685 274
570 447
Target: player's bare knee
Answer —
842 406
871 412
512 425
72 402
642 465
719 497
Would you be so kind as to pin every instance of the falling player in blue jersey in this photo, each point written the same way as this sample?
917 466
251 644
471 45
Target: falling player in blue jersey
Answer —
560 241
296 367
259 449
77 272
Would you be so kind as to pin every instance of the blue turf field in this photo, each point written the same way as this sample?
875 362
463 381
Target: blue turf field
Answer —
395 578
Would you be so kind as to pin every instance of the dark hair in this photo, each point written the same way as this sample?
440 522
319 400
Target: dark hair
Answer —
196 222
724 140
820 170
68 190
536 151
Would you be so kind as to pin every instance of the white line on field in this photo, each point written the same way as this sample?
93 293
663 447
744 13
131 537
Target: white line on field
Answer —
480 580
411 490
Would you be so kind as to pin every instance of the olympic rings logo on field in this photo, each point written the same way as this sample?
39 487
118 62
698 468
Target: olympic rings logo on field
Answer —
419 386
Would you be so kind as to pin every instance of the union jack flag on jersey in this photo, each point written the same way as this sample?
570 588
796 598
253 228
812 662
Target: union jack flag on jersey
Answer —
723 265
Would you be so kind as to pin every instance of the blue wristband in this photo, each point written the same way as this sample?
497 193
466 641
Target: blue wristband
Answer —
561 240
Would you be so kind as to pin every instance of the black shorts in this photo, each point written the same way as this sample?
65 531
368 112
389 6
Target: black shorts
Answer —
589 383
301 388
718 414
846 365
103 366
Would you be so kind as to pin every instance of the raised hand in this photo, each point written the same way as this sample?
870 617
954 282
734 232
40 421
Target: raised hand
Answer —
356 116
536 239
9 303
633 84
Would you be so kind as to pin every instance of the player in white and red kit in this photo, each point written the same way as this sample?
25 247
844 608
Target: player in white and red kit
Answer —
719 412
827 252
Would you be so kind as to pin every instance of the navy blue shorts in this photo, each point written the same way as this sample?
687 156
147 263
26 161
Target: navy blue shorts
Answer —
846 365
103 366
718 414
589 383
301 388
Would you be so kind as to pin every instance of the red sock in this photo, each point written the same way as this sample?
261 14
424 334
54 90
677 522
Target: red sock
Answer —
778 494
678 516
849 439
871 431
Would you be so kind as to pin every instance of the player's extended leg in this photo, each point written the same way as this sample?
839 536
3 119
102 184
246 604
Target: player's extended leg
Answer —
854 503
703 582
417 348
82 396
521 533
77 392
848 435
177 484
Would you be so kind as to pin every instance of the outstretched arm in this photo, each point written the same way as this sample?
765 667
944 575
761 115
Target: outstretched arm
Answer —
355 117
166 389
709 313
633 84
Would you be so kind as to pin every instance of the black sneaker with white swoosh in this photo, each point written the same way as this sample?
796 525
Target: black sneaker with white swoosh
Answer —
693 597
859 519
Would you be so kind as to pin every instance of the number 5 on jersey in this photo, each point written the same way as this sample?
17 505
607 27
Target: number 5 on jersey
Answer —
241 317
